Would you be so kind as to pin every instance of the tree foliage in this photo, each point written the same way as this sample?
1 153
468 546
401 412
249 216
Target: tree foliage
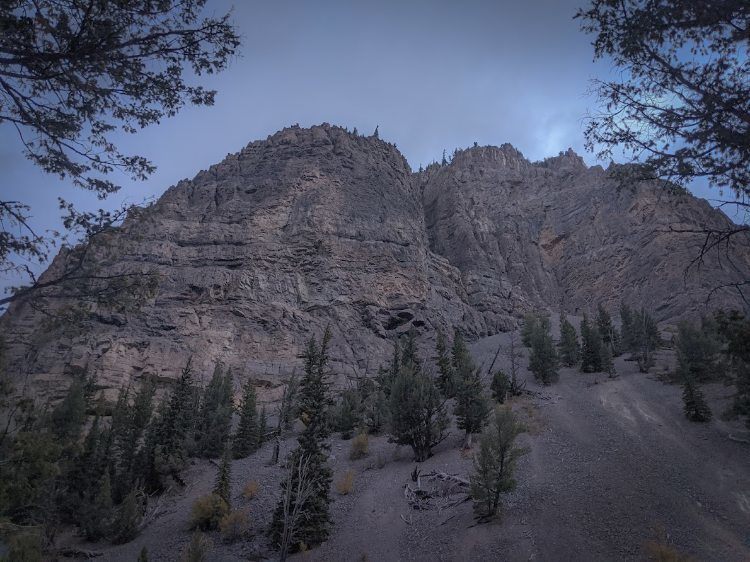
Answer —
495 462
74 73
681 103
418 418
306 492
543 360
247 437
568 348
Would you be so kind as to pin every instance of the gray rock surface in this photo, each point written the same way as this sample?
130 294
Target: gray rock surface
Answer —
318 227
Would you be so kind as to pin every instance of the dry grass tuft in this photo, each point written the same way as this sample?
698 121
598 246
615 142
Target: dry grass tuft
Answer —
346 483
250 490
234 526
360 447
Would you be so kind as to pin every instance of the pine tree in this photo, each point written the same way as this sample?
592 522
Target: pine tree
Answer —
165 449
247 439
418 417
447 379
288 409
495 463
223 485
568 347
627 328
530 323
591 347
143 556
386 376
215 416
313 526
695 405
608 365
262 425
607 331
350 412
646 339
376 411
129 515
500 386
97 512
472 408
543 359
376 134
697 350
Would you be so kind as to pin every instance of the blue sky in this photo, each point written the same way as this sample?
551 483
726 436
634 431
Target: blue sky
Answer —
433 75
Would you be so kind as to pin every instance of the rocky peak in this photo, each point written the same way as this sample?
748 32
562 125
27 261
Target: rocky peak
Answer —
317 227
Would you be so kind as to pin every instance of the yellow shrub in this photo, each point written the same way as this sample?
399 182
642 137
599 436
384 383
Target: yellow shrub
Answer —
345 485
360 446
234 526
207 512
250 490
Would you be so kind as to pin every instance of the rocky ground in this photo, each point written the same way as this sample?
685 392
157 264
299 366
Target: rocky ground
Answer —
611 462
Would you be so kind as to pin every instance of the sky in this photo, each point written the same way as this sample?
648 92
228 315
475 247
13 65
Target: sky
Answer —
433 75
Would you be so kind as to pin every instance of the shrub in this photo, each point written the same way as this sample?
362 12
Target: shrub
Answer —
25 547
345 485
207 512
360 446
197 549
250 490
233 526
128 518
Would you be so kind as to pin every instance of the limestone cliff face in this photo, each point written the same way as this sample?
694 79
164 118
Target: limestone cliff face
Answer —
557 234
317 227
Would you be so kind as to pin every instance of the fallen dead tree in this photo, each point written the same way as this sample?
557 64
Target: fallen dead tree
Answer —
442 492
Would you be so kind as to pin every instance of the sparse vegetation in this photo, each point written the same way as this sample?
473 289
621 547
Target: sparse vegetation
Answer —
234 526
495 462
197 549
360 446
250 490
207 512
345 484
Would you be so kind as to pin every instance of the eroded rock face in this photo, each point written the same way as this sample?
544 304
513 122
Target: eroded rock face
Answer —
317 227
557 234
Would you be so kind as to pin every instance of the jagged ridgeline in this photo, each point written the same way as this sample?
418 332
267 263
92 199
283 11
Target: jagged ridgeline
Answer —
320 227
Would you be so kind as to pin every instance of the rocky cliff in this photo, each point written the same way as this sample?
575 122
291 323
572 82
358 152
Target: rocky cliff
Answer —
318 227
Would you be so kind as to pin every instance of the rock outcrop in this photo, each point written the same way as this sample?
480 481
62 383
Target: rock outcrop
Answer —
318 227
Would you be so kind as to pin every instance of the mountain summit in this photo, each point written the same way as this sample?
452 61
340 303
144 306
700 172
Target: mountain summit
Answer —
319 227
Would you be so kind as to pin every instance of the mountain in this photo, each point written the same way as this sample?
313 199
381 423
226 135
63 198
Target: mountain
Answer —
319 227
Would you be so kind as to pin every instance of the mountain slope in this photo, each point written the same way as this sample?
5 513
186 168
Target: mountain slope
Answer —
318 227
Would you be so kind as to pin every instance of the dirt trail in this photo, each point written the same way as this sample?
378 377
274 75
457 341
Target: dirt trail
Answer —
609 460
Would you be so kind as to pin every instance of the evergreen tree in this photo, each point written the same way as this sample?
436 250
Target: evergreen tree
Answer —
348 412
495 463
500 386
143 556
607 331
67 419
543 359
591 347
262 425
569 348
418 417
695 405
376 134
128 517
215 416
247 439
223 485
288 410
447 379
376 411
627 328
530 323
646 339
97 513
314 523
129 423
472 408
607 362
697 350
386 376
734 330
165 448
